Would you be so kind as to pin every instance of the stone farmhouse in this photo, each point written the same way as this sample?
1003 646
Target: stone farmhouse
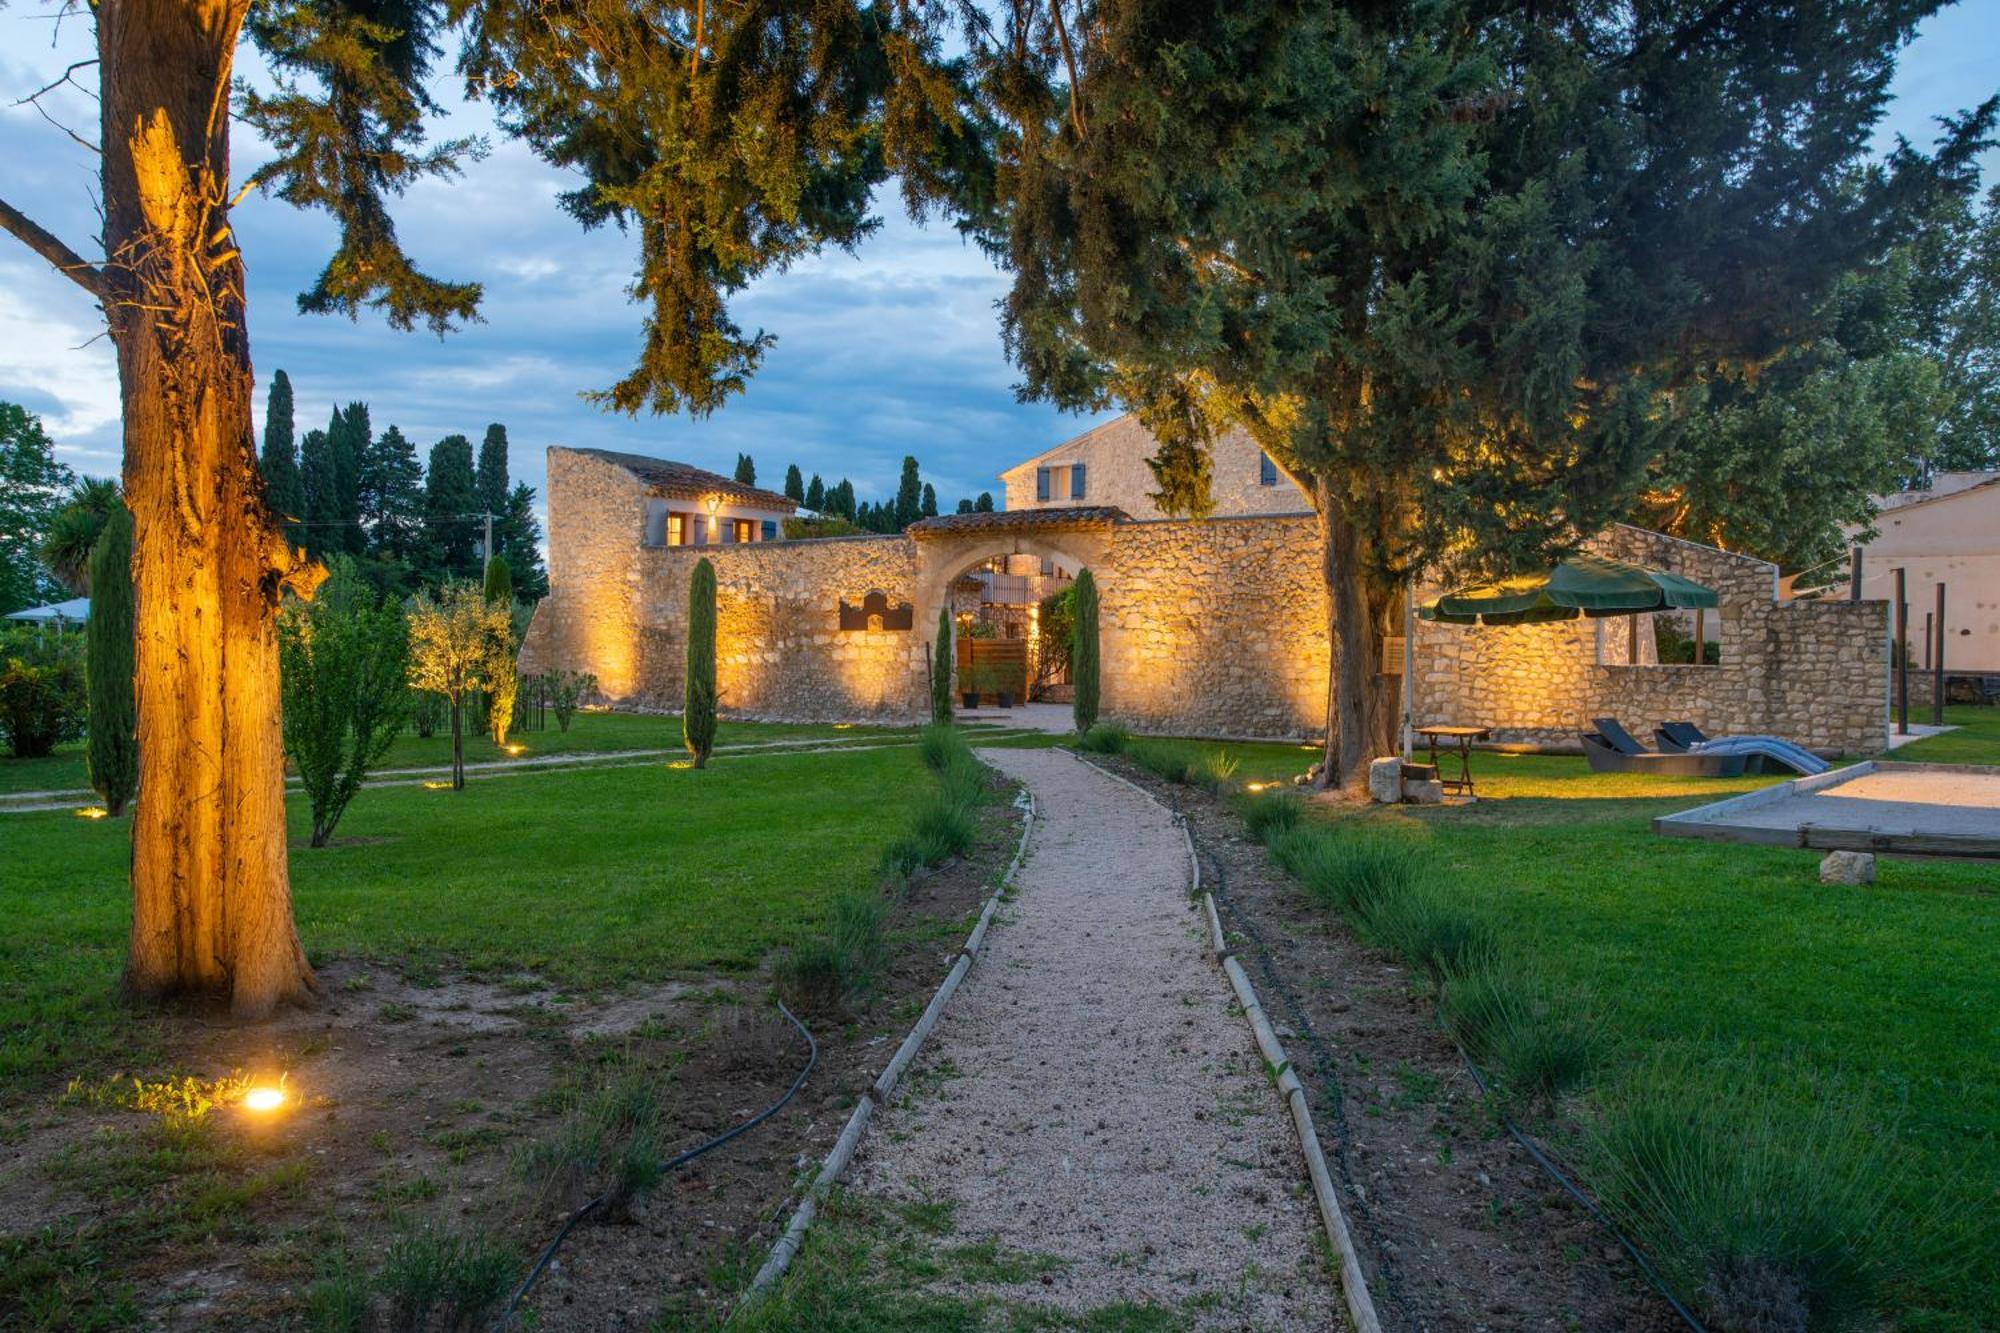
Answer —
1208 627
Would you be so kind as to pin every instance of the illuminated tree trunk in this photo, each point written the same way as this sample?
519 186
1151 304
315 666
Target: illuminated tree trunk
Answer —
211 903
1360 704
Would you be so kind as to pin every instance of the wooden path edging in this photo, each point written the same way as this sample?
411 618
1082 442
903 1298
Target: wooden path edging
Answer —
844 1147
1353 1282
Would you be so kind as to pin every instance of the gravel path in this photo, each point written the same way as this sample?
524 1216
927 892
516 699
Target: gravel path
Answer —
1093 1097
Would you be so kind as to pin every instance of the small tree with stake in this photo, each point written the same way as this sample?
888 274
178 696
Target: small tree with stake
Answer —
698 717
114 719
455 638
941 670
503 683
341 667
1083 648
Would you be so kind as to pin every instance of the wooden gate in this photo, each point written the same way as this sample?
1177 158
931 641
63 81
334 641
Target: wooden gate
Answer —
990 666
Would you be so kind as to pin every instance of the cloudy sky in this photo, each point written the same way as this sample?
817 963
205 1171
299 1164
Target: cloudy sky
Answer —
890 351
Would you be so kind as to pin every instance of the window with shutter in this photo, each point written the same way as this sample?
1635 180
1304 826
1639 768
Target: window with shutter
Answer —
677 529
1076 481
656 523
770 530
1267 471
1041 483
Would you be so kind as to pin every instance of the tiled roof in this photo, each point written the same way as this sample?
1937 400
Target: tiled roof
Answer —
1020 520
663 474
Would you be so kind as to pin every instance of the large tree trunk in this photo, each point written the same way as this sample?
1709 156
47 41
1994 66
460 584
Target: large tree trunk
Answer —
1360 702
211 901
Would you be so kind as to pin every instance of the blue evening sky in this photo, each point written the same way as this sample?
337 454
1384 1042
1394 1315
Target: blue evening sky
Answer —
890 351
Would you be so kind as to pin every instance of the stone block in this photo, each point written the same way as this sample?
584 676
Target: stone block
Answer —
1424 793
1385 780
1847 868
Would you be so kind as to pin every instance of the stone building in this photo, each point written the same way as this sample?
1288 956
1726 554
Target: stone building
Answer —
1212 627
1948 534
1107 466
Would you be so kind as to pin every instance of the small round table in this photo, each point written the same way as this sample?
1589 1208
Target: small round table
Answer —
1465 736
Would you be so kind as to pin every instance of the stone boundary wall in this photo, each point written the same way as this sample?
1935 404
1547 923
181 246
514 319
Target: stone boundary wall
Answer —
1813 671
1210 627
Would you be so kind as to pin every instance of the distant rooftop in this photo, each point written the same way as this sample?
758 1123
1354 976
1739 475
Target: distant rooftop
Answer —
671 478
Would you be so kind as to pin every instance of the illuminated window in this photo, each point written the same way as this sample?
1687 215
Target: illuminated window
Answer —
677 530
743 529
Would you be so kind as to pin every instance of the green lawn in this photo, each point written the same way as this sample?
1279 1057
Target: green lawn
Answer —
1737 959
590 877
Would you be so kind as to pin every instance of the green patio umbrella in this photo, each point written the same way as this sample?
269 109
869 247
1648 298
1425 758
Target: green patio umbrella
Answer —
1583 585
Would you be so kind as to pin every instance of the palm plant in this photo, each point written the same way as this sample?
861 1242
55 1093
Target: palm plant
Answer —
74 531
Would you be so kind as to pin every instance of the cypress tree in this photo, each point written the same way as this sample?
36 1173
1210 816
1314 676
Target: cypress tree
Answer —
451 494
795 486
909 497
816 495
114 718
280 460
941 669
984 504
1083 649
492 475
499 581
929 508
349 438
965 506
698 714
318 487
746 470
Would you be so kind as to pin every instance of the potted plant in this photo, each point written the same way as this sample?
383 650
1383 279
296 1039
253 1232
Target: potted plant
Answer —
1003 687
968 685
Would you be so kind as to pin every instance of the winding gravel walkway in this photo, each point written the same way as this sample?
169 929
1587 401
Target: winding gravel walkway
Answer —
1092 1097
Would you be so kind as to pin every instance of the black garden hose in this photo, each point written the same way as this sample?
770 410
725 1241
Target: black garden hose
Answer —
673 1163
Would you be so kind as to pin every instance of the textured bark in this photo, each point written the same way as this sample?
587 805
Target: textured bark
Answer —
211 901
1360 704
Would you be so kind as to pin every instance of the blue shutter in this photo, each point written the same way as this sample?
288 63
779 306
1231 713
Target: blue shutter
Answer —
1267 471
1041 483
770 530
1076 481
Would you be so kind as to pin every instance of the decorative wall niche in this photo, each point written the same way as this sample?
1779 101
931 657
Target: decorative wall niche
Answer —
877 612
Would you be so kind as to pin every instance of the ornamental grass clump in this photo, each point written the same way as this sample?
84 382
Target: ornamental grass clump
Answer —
1535 1040
828 971
1267 818
1163 759
1104 738
1765 1214
945 822
1424 924
1354 872
1213 771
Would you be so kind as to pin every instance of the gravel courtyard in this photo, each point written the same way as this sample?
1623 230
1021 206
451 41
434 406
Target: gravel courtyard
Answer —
1093 1098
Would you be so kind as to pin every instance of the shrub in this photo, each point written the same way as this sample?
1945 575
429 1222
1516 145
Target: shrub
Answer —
1104 738
342 661
1767 1215
428 712
698 714
1352 871
566 691
1536 1042
114 717
1431 931
455 640
1266 817
941 670
499 587
1083 665
827 971
42 694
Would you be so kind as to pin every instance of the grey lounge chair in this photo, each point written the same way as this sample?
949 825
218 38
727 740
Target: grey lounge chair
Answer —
1763 754
1612 749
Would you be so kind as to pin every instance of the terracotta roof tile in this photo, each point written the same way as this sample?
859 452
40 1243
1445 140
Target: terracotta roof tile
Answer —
664 474
1020 520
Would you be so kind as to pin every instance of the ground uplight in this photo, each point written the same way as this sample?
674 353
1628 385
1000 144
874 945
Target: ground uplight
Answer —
263 1100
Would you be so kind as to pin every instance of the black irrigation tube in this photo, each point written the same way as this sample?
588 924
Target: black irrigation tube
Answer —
1323 1062
673 1163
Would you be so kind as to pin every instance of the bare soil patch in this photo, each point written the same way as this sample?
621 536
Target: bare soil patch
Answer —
415 1104
1459 1229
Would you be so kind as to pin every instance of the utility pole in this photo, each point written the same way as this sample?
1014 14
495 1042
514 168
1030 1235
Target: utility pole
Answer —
1854 575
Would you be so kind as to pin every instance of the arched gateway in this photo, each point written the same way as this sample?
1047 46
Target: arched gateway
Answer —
1212 627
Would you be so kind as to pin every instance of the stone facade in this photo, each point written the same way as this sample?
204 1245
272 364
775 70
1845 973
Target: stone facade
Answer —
1115 473
1214 627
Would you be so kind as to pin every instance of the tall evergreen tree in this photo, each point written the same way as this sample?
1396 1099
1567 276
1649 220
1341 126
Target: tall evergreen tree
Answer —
909 495
1955 308
1083 659
984 504
114 719
795 485
319 485
816 495
350 437
392 497
698 711
279 461
929 507
941 669
523 544
1447 263
33 486
451 499
965 506
746 470
492 474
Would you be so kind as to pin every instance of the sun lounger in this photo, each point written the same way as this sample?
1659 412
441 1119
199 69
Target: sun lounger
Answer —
1612 749
1765 754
